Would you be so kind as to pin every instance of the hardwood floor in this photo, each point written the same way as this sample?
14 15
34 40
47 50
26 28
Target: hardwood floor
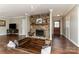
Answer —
61 45
3 42
31 47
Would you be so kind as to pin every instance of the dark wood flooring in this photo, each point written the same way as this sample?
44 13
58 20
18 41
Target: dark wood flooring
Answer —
61 45
5 39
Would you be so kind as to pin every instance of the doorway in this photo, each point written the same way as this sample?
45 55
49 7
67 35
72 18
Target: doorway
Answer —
57 28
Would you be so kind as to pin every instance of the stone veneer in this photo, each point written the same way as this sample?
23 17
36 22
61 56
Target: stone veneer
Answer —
39 27
43 26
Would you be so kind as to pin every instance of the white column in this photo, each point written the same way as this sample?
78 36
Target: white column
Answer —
51 24
78 26
27 25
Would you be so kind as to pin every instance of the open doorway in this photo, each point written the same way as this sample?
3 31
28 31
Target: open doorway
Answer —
57 28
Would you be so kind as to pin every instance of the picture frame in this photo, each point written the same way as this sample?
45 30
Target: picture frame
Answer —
39 21
2 22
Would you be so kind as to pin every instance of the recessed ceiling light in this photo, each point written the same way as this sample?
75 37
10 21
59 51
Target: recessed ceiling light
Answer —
58 15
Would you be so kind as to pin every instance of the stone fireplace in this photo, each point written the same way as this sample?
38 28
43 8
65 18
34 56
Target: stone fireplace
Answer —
40 29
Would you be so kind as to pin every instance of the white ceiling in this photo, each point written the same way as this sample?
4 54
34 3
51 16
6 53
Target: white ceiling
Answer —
14 10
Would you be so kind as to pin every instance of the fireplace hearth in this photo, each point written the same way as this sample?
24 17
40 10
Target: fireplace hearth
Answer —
40 33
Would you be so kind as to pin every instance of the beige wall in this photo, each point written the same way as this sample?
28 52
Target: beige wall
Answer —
70 26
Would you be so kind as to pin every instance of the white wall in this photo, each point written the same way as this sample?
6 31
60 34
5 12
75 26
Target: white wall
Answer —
14 20
66 26
4 28
17 21
70 26
23 24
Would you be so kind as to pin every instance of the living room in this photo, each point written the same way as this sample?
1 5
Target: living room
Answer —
31 27
36 26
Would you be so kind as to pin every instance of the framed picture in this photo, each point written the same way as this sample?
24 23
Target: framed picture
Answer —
39 21
2 22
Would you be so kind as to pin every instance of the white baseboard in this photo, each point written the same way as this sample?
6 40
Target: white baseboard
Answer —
72 41
2 34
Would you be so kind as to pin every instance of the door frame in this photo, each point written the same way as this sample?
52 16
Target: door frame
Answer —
59 26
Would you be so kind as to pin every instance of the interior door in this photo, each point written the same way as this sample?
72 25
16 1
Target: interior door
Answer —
56 28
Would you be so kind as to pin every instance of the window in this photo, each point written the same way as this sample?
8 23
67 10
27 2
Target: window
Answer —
56 24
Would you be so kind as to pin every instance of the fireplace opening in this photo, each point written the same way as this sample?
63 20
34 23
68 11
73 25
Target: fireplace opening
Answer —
40 33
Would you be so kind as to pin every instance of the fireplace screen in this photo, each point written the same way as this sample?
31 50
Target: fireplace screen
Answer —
40 33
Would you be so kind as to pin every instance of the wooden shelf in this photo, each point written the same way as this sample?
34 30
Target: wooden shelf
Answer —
39 24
